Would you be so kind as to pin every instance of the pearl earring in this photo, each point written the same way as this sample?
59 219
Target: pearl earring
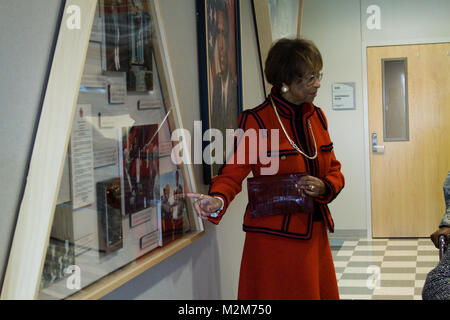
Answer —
284 88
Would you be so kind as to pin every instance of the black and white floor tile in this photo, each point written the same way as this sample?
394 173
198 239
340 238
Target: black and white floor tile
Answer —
386 269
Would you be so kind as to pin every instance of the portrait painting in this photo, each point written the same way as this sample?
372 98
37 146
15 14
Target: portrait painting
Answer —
220 72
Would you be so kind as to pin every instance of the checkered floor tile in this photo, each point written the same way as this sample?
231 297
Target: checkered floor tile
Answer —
386 269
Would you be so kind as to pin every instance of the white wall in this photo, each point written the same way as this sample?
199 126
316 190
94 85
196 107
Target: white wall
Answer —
27 29
339 29
335 28
408 21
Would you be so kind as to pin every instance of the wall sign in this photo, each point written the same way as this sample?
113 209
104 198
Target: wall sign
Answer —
343 96
374 20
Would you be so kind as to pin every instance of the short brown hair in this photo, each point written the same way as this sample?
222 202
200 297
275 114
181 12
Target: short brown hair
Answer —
291 58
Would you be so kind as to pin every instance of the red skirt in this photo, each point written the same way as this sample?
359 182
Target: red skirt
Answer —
277 268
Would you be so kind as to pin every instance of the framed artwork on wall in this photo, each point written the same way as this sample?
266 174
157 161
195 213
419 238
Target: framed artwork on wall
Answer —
220 77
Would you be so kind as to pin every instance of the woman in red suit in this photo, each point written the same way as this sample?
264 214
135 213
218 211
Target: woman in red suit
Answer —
285 256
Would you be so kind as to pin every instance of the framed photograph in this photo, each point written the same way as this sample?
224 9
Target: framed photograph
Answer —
116 48
139 159
220 75
128 45
175 220
110 232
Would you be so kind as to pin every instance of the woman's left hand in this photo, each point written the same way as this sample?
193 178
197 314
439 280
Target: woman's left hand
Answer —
311 186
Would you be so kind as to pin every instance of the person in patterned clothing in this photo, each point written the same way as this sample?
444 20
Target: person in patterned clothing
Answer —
437 283
444 226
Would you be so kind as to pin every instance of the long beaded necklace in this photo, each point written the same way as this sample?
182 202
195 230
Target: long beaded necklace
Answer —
293 144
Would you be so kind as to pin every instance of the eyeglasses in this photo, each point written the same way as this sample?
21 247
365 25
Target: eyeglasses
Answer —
310 80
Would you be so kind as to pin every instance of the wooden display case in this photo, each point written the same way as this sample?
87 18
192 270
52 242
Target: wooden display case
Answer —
104 140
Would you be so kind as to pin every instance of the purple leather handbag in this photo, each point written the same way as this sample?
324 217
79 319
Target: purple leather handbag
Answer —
277 194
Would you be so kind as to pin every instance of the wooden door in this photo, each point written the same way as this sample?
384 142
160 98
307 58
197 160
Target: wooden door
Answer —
407 176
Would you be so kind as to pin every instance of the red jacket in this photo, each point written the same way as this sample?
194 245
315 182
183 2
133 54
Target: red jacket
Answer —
229 182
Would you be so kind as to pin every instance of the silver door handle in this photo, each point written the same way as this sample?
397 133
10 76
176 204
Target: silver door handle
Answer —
375 147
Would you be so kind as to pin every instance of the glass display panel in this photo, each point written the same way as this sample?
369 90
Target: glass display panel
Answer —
121 194
395 100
